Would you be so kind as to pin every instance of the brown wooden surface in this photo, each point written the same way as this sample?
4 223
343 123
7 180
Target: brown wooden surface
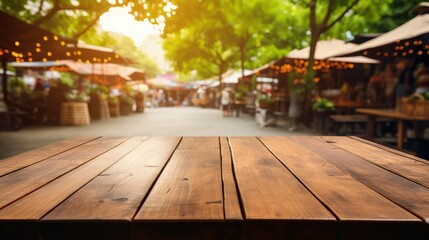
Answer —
403 192
269 190
117 193
334 187
214 188
408 168
41 201
388 149
190 187
391 113
34 156
20 183
231 201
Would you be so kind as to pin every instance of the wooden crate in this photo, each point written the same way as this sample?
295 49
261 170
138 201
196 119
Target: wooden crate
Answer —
74 113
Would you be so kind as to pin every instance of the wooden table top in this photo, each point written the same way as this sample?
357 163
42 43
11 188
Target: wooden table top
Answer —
391 113
214 188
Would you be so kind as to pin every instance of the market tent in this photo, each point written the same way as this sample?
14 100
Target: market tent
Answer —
20 41
86 53
167 80
409 39
325 50
232 76
99 69
295 60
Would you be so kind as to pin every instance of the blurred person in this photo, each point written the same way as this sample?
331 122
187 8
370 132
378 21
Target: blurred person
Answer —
375 87
226 101
422 78
406 79
390 80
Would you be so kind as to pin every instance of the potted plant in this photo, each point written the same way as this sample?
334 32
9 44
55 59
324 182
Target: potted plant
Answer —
266 102
323 104
75 110
98 105
126 104
113 103
296 85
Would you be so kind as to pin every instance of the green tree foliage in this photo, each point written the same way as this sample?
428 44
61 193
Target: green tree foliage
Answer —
192 44
125 47
395 14
82 15
212 36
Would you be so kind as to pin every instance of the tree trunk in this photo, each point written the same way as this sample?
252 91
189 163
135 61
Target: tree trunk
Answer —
242 57
309 78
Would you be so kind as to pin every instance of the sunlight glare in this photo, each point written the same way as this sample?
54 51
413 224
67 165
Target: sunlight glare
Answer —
119 20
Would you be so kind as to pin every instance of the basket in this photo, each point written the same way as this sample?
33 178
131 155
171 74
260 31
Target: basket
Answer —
422 108
406 107
74 113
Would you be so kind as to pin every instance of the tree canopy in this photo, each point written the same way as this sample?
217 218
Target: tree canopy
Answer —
210 36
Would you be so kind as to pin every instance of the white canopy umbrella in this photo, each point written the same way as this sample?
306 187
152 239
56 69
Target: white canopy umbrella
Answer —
325 50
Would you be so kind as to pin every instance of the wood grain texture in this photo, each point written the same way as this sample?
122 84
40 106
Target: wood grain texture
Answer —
349 199
408 168
405 193
231 201
25 159
117 193
268 190
401 153
38 203
24 181
391 113
190 187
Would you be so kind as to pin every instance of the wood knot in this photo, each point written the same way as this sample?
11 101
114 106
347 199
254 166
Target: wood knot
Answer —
123 199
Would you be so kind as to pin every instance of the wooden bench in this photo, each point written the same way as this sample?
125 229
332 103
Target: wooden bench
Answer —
214 188
339 121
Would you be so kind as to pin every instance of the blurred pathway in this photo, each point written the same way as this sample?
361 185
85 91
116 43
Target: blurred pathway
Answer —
182 121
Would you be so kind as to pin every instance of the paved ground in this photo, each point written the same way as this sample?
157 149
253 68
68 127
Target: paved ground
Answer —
183 121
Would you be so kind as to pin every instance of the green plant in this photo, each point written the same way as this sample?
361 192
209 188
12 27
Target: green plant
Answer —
75 96
241 91
113 100
264 99
126 99
296 83
323 104
426 95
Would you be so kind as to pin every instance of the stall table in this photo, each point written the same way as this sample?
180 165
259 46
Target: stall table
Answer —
401 118
214 188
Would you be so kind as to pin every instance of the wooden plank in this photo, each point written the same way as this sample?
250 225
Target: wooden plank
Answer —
25 159
336 189
405 193
190 187
391 113
117 193
401 153
231 201
24 181
275 204
408 194
408 168
268 190
38 203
